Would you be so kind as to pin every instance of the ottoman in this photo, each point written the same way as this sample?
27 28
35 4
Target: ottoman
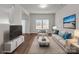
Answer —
43 41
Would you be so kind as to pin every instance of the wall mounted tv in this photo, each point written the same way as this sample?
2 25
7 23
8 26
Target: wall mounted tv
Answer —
15 31
69 22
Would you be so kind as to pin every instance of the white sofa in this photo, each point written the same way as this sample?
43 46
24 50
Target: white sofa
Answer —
59 38
60 41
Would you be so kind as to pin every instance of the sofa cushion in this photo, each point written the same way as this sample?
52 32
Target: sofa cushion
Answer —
62 42
67 36
61 33
42 34
59 38
42 31
55 31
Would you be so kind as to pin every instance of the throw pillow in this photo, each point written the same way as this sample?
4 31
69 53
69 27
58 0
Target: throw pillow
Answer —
67 36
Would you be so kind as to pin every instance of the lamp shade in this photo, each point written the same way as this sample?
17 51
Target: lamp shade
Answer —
54 27
76 33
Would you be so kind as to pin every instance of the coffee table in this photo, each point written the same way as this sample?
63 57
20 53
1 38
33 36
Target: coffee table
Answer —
43 41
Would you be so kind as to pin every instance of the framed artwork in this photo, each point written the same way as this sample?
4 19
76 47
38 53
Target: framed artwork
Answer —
69 21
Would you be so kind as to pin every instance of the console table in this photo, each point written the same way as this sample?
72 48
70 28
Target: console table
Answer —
10 46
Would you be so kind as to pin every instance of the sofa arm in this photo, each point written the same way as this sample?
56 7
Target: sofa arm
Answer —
68 45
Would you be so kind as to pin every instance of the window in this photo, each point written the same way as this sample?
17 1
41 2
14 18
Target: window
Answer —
38 24
45 24
42 24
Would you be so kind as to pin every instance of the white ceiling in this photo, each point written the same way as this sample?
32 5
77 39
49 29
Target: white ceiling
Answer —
5 7
51 8
34 8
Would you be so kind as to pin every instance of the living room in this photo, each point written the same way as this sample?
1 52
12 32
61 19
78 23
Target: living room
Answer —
57 22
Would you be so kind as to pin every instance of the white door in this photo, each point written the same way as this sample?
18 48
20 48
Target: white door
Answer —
23 26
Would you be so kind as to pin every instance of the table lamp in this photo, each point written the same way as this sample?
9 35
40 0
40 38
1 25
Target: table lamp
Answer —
54 27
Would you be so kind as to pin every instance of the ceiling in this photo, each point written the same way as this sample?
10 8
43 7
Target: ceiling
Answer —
4 6
34 8
51 8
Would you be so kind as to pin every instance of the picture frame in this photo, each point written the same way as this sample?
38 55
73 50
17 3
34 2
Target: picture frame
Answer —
69 22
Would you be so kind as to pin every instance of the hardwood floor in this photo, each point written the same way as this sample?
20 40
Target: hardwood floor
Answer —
25 46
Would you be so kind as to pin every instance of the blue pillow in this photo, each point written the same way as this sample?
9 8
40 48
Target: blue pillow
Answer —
61 34
67 36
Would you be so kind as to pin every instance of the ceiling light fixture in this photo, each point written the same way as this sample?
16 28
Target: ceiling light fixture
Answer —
43 5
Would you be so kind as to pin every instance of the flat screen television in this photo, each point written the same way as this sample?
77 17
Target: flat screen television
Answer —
69 21
15 31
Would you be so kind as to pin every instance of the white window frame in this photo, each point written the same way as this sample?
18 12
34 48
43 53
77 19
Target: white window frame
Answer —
42 24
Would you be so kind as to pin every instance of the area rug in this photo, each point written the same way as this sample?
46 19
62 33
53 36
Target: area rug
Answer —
54 48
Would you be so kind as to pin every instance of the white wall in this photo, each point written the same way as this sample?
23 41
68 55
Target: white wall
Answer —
26 20
27 25
4 27
23 26
4 17
16 15
66 11
26 17
34 17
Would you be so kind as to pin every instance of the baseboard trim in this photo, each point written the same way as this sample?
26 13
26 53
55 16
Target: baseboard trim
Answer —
33 33
29 33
